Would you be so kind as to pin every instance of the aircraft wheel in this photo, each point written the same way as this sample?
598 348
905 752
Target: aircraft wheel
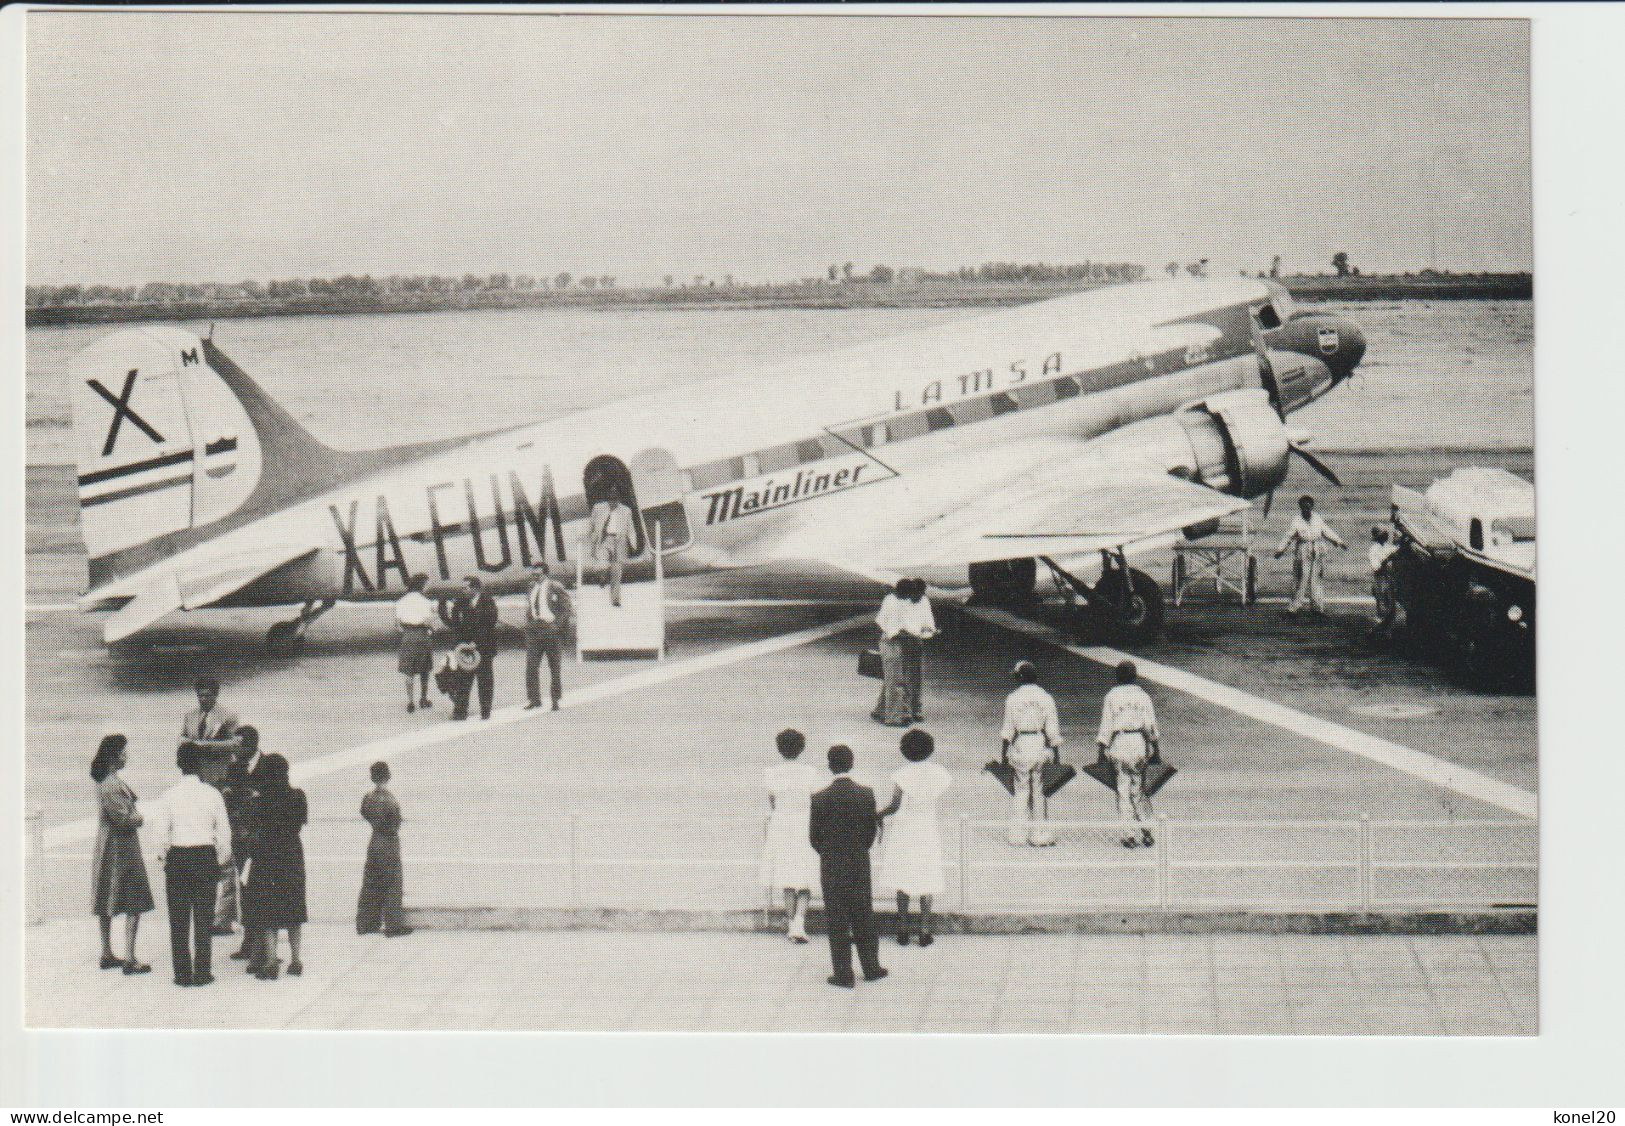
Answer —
1139 616
285 639
1004 582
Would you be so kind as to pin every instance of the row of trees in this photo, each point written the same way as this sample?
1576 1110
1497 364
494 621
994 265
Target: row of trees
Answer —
348 285
414 285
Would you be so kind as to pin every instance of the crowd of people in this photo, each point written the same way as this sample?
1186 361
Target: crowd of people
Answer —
228 836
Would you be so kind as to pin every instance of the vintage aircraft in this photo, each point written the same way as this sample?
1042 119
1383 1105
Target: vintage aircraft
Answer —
1072 428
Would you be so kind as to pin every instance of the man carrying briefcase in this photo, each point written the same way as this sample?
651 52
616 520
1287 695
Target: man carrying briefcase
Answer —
1030 738
1128 740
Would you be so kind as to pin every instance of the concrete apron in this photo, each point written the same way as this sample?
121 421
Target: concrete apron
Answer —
1508 920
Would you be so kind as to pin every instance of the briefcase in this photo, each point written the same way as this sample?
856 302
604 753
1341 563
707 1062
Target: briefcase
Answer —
869 664
1005 773
1056 775
1156 775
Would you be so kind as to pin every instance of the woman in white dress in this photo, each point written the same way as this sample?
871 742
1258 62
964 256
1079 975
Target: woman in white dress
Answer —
788 859
913 861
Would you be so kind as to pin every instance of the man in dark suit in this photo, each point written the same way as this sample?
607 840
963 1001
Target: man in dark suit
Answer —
473 617
842 830
241 785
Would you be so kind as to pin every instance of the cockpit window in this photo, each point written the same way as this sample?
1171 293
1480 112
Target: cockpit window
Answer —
1268 318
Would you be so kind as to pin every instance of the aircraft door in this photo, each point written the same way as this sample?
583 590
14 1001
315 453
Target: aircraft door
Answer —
661 487
607 476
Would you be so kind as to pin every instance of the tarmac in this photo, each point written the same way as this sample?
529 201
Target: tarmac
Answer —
580 981
643 795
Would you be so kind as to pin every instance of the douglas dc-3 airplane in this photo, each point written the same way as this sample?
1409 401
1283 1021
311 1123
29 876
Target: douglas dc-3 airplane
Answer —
1073 428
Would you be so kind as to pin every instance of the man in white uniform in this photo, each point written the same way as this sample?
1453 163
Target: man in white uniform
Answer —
1307 538
1128 739
1030 737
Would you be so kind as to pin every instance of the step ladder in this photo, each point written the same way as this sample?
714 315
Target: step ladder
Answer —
1225 558
637 625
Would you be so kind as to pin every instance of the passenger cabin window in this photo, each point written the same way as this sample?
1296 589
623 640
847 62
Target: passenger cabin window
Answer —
1268 318
810 450
972 410
1066 387
938 419
714 473
775 459
877 435
1003 403
750 465
906 426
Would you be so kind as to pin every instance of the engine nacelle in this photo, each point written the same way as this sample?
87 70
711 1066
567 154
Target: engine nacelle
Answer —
1238 443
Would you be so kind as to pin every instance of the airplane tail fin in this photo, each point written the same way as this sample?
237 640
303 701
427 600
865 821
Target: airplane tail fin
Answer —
170 435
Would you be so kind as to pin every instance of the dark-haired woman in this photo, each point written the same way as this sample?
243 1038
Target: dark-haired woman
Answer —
912 865
275 889
118 875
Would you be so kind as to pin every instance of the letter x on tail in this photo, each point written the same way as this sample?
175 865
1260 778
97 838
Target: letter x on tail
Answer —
121 410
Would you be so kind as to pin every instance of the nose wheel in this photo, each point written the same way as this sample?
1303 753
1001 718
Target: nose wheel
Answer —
287 639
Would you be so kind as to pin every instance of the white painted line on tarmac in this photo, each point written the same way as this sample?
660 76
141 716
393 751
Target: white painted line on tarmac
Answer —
396 746
49 607
770 603
1469 783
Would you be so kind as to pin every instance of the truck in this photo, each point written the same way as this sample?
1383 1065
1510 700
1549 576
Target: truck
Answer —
1464 571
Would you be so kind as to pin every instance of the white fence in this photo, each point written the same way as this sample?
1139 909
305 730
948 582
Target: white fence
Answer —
596 860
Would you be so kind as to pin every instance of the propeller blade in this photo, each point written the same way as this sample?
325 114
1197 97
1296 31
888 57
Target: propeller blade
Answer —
1266 370
1315 463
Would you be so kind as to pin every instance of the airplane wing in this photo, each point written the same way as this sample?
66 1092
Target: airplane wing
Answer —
1095 514
196 585
1056 497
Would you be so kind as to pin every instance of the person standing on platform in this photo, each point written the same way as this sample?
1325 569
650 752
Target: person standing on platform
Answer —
547 618
841 829
194 844
275 887
919 626
240 788
1030 737
611 533
379 906
1128 739
788 860
473 618
912 865
414 614
895 707
1308 537
118 873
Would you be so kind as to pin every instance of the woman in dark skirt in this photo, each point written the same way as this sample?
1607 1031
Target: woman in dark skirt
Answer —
274 893
118 874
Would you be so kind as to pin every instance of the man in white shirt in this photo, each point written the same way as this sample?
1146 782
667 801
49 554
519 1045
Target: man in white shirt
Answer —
1128 739
1380 556
1307 538
415 615
547 611
1030 737
611 532
194 843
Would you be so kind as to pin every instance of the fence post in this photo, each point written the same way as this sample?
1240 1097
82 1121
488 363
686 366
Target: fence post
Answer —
1365 861
575 860
964 862
35 910
1162 861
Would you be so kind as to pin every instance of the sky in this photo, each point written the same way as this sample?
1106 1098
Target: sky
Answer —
195 146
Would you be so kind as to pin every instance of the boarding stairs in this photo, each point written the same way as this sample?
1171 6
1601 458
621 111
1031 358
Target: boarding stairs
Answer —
636 626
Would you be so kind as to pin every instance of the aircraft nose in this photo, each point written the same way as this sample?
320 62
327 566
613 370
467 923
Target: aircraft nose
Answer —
1335 341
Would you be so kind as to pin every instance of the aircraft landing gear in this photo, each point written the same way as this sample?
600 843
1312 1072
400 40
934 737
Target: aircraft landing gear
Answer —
286 639
1124 603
